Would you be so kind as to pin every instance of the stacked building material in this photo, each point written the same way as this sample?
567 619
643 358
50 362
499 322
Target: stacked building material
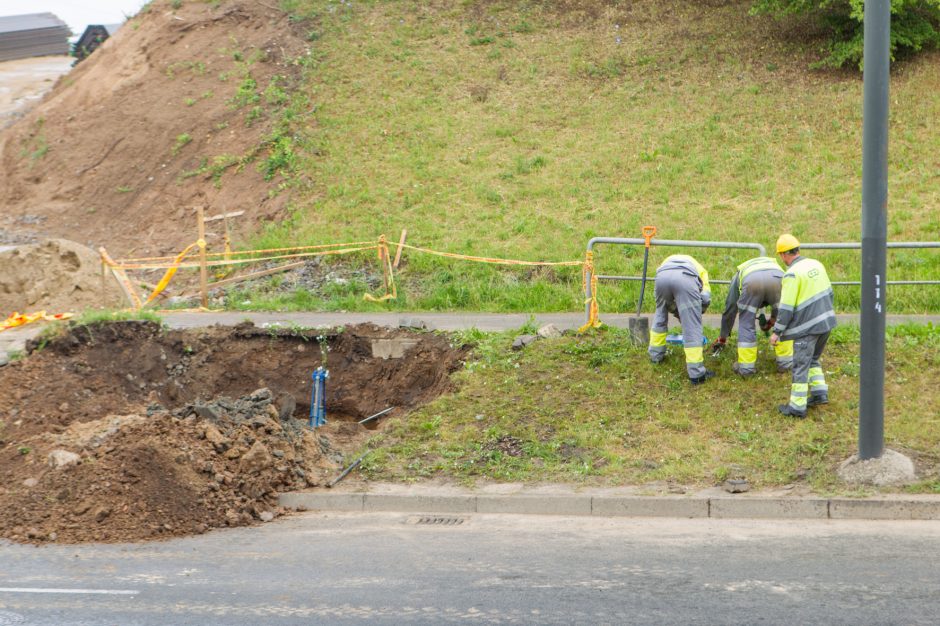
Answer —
33 35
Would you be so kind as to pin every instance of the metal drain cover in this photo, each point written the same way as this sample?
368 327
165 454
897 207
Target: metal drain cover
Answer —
435 520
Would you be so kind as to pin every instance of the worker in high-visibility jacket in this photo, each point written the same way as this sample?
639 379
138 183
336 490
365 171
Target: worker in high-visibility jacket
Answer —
682 289
806 316
754 286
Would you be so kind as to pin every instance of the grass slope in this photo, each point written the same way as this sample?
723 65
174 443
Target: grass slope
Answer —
522 129
593 410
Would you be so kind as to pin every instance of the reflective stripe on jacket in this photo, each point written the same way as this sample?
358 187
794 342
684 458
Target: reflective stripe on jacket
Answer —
690 266
806 300
759 263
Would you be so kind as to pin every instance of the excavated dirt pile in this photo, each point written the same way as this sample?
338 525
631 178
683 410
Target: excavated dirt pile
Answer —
56 276
127 431
177 109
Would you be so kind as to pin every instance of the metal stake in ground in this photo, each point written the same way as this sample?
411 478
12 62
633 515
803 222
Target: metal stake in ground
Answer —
379 414
351 467
640 326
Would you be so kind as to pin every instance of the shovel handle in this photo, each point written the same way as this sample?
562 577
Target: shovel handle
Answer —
648 233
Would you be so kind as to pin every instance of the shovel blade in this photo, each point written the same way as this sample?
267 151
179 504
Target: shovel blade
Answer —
639 330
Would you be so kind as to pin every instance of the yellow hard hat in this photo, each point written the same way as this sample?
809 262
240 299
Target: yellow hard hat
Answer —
787 242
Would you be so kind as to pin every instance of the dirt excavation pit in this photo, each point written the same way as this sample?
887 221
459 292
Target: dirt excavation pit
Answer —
127 431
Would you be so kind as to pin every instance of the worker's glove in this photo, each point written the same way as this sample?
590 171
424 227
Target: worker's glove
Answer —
718 346
767 325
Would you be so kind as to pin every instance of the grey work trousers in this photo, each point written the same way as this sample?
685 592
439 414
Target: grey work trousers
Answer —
679 292
808 376
759 289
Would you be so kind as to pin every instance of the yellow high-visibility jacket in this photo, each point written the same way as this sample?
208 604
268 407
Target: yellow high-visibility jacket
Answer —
806 301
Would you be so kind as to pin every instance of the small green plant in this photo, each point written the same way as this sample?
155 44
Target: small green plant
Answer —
255 114
274 94
35 146
246 94
189 102
15 355
181 142
24 450
124 189
176 4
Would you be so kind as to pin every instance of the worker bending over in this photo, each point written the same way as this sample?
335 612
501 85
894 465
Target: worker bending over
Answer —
807 317
754 286
682 289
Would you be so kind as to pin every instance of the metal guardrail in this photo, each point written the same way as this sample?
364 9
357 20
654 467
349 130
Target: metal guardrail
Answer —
916 245
622 241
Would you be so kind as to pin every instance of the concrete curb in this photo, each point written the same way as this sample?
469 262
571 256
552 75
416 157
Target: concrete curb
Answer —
717 507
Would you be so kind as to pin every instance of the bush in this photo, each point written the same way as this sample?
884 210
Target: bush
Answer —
915 25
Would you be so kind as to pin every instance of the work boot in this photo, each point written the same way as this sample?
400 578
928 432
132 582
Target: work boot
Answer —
786 409
817 398
736 368
701 379
783 368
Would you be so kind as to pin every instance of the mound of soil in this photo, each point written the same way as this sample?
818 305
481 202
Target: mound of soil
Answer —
56 276
126 431
118 153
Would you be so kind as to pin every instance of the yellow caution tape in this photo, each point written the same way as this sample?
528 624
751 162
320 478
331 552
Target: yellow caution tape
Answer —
21 319
593 319
170 273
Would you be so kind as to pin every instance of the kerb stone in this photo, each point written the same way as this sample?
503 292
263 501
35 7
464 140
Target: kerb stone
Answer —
322 501
645 506
419 504
535 505
884 509
769 508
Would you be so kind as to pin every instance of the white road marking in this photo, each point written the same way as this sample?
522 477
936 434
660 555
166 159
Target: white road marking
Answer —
113 592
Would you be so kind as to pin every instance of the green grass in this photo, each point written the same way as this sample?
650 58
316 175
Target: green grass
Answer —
92 316
522 130
593 410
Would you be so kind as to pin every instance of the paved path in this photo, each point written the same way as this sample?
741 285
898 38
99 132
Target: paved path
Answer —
15 339
453 321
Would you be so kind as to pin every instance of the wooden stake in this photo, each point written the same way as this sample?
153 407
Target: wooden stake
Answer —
267 272
401 242
203 270
228 239
121 277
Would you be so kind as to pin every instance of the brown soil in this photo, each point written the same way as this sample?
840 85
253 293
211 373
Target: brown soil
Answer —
177 432
100 160
57 276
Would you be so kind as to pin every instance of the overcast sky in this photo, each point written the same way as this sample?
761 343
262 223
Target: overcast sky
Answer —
76 13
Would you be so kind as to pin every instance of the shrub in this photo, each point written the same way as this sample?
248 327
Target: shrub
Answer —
915 25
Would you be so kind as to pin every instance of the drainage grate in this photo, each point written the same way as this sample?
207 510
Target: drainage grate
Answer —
429 520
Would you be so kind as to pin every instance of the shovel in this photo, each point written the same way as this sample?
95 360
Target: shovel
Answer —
640 326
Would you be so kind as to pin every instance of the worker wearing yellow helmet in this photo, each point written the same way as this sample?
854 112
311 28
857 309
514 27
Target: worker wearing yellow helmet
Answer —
682 289
806 316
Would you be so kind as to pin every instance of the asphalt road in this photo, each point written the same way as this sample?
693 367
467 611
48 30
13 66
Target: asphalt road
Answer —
386 568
